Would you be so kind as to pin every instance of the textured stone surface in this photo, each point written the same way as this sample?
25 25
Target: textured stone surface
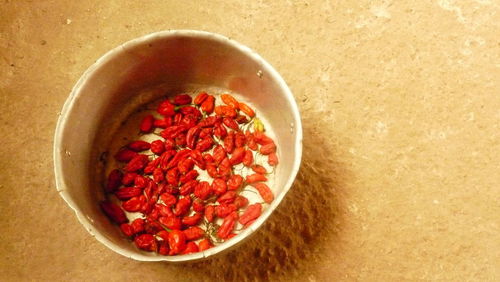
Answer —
401 110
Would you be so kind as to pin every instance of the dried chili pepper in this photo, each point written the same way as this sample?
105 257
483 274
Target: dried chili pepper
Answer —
114 180
246 109
251 213
264 191
139 146
114 212
255 178
147 124
227 225
146 242
176 242
229 100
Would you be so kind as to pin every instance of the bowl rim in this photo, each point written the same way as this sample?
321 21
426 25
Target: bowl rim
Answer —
59 152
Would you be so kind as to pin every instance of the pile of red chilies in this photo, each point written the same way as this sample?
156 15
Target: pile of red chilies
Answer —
159 180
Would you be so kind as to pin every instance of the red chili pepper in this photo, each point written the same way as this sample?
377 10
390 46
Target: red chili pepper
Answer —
219 154
182 99
189 120
198 205
151 166
178 157
206 133
204 244
229 143
239 139
248 158
264 191
259 169
240 201
272 159
212 171
114 212
202 96
208 105
139 146
209 121
193 233
225 111
140 181
166 109
220 131
251 213
158 175
128 178
137 163
219 186
204 144
210 213
185 165
147 124
237 156
188 187
125 155
168 199
224 210
227 197
198 159
177 118
137 225
171 222
192 220
176 241
128 192
132 205
249 223
163 123
208 158
191 247
192 137
163 249
173 176
165 159
146 242
191 175
229 122
169 144
203 190
252 178
191 111
157 147
268 149
173 131
252 145
165 211
114 180
152 227
180 140
261 138
225 167
234 182
182 206
229 100
246 109
227 225
241 119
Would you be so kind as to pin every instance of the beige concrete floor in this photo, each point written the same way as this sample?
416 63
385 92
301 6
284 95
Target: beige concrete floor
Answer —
400 103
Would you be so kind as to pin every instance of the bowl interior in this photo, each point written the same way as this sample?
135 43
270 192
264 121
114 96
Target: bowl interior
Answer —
110 90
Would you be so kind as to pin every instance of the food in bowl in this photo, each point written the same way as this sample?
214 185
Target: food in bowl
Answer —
194 175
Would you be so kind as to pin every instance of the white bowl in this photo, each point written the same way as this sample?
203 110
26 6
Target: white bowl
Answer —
107 93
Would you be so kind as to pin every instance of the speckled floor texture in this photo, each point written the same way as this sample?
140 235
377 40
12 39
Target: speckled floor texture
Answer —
400 102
